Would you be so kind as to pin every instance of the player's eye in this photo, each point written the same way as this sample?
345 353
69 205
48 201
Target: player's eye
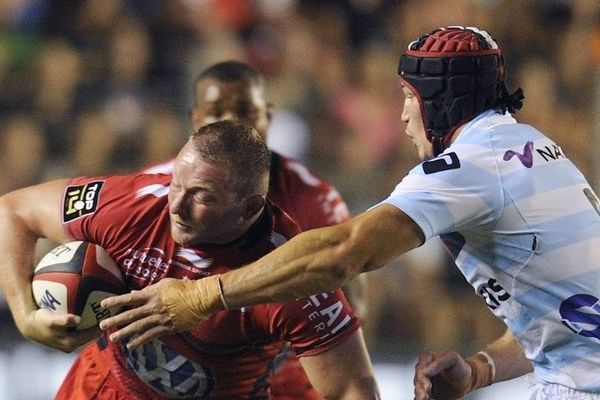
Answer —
204 198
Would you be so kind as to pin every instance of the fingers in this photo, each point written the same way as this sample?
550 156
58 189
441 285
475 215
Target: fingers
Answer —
146 320
133 298
75 339
441 363
150 334
421 381
422 389
58 331
440 376
126 317
425 359
60 337
139 326
56 320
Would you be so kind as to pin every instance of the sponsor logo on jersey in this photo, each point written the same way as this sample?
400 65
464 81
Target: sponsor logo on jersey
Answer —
493 293
526 157
149 264
547 153
169 372
327 318
81 200
581 314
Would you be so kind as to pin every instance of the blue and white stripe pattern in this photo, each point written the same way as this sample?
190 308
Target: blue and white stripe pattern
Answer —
523 225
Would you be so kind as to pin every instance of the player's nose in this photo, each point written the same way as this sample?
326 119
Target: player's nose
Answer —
178 203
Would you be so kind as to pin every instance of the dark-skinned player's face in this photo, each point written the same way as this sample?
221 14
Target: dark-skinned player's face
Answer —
243 100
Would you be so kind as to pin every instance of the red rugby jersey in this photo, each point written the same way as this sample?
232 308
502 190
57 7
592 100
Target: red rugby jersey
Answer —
313 203
308 199
230 355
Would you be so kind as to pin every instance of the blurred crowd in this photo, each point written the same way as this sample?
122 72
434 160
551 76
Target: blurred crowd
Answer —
103 86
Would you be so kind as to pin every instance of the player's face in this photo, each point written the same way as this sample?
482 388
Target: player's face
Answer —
411 115
242 100
203 205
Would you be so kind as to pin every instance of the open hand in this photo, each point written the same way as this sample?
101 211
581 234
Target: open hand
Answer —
168 306
145 316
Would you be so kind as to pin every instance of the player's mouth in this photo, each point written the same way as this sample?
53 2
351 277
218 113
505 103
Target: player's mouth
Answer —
181 225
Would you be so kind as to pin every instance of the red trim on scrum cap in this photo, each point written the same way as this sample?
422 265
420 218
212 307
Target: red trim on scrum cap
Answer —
455 41
426 54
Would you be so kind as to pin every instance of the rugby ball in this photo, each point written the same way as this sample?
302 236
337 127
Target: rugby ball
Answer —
73 278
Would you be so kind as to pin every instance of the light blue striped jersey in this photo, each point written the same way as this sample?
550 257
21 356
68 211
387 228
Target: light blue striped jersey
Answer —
523 226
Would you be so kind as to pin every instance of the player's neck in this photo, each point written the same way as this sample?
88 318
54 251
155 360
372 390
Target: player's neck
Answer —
239 231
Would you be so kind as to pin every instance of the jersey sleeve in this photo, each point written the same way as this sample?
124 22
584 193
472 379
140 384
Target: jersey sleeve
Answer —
314 324
459 190
98 209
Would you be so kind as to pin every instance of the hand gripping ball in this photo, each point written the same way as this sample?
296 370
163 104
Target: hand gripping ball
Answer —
74 278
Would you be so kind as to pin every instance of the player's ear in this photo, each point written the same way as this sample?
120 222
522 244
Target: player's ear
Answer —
195 117
254 204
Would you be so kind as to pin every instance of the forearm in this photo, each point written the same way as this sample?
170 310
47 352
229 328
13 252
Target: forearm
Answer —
366 389
323 259
509 358
25 216
344 372
17 243
18 238
310 263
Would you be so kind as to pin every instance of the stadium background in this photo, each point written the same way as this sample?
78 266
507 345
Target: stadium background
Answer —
103 86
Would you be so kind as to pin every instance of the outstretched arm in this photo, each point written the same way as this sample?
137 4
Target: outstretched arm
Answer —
323 259
344 372
25 216
447 376
315 261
